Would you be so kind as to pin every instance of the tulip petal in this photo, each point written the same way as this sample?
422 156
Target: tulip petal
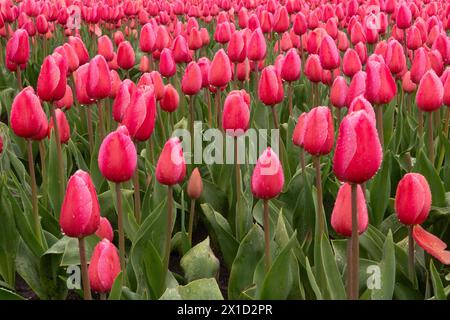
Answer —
431 244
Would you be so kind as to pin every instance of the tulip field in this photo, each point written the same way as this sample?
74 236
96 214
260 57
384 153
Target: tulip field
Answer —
224 149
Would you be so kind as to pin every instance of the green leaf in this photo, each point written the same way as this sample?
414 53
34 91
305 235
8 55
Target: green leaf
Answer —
116 289
54 187
200 262
438 287
278 281
249 253
202 289
9 295
387 271
380 190
333 278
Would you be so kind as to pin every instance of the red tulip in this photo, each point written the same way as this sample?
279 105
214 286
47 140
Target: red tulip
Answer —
105 47
140 116
292 66
27 118
360 103
123 99
351 63
105 231
299 130
147 39
357 87
191 83
80 210
66 101
268 177
341 217
104 266
18 47
52 80
338 92
80 49
195 185
256 46
442 44
167 66
300 24
407 84
318 135
98 84
125 55
236 112
237 49
63 126
115 83
329 54
81 76
117 157
180 50
420 65
380 85
270 87
41 24
171 166
313 68
219 70
403 17
195 41
413 38
170 100
395 57
430 92
71 56
358 152
413 199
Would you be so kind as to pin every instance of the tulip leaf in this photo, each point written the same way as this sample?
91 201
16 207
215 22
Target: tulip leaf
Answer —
200 262
116 289
333 277
380 190
6 294
438 287
54 186
387 271
201 289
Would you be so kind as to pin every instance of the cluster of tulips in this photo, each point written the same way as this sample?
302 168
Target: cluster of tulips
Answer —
115 78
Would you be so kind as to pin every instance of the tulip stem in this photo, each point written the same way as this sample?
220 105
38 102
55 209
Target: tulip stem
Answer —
218 108
290 93
137 196
58 153
353 259
302 161
100 119
446 127
19 78
84 270
168 232
275 117
90 130
420 125
34 199
103 296
411 253
320 219
191 121
430 138
266 235
208 99
239 229
191 221
338 118
120 225
379 116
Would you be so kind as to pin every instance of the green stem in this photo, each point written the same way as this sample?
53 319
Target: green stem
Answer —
266 235
411 254
120 225
239 220
90 129
58 154
290 93
320 219
353 292
379 115
430 138
137 194
84 270
191 221
34 199
168 232
100 119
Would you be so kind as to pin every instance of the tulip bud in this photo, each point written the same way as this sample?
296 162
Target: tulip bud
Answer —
80 77
123 99
181 50
420 65
380 85
125 55
338 92
395 57
105 231
104 266
105 47
63 126
195 185
256 47
140 116
98 84
66 101
403 17
360 103
237 50
27 118
147 40
358 152
18 47
219 70
117 156
268 177
413 199
171 166
357 87
52 80
299 130
329 54
170 100
80 210
318 135
270 87
407 84
80 49
351 63
430 92
292 66
167 66
313 68
191 83
341 217
236 111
